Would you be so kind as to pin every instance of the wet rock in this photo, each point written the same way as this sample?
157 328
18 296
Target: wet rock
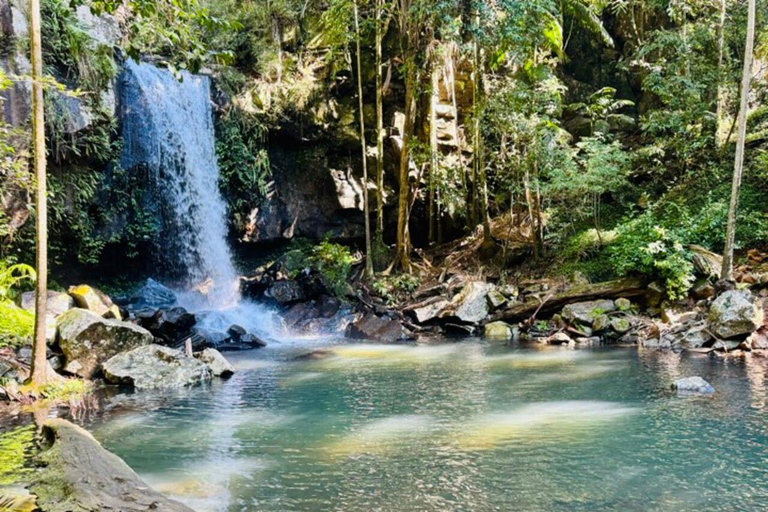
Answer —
601 323
620 325
154 295
696 337
287 292
78 475
217 363
693 385
735 313
758 340
328 306
87 340
168 325
559 338
585 312
498 331
56 302
92 299
590 341
236 332
470 305
623 304
372 327
496 299
726 345
154 367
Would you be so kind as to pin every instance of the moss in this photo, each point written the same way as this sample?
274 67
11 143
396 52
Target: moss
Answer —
16 325
15 449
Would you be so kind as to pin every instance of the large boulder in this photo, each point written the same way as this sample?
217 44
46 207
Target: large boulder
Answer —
498 331
287 292
56 302
78 475
92 299
154 295
218 365
375 328
735 313
169 325
470 305
693 385
586 312
87 340
156 367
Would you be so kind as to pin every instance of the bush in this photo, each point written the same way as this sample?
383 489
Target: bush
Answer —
334 262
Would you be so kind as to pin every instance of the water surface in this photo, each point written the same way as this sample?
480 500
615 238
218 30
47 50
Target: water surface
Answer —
463 426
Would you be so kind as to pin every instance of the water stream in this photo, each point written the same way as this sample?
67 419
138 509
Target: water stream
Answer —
463 426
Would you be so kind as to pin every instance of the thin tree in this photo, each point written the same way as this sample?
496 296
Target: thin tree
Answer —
39 362
379 125
368 252
738 166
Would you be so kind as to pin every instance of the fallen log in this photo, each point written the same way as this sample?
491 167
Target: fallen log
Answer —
81 476
629 287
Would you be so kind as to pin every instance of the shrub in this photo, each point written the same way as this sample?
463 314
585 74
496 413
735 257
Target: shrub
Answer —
334 262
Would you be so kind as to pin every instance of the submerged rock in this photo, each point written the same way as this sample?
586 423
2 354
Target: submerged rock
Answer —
92 299
79 475
586 312
155 367
87 340
693 385
735 313
372 327
219 366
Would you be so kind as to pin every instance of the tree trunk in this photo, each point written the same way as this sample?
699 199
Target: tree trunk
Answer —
433 166
39 347
366 212
379 127
403 244
738 165
720 57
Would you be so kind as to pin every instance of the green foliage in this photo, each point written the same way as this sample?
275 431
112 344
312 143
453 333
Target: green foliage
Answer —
67 390
642 247
15 448
388 288
12 276
334 262
16 325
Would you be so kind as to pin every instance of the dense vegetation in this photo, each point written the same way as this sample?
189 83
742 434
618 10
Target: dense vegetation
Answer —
598 133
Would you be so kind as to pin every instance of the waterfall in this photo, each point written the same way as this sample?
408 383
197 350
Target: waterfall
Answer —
167 126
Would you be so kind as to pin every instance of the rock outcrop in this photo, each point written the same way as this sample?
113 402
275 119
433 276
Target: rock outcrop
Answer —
92 299
79 475
735 313
218 365
156 367
87 340
374 328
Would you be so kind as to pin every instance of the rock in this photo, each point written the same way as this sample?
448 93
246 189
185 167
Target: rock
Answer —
735 313
509 291
470 304
328 306
168 325
78 475
726 345
154 295
155 367
251 341
372 327
72 113
592 340
218 365
585 312
90 298
620 325
623 304
676 313
498 330
559 338
703 289
56 302
693 385
286 292
601 323
705 261
87 340
696 337
236 332
429 311
758 340
496 299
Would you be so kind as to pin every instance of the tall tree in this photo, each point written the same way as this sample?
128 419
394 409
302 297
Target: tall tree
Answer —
366 210
39 362
738 166
380 29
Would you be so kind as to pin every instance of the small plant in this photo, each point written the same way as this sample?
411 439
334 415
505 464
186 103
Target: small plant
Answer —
334 262
406 283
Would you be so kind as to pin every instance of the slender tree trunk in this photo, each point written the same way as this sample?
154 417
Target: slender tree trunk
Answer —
368 251
433 150
403 244
720 57
738 165
379 127
481 187
39 348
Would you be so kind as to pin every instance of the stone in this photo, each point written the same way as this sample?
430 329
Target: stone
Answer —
702 290
758 340
498 331
592 340
601 323
429 311
169 325
71 111
510 291
470 304
623 304
87 340
559 338
620 325
726 345
236 332
496 299
156 367
693 385
286 292
585 312
56 302
92 299
154 295
217 363
654 294
78 475
735 313
696 337
372 327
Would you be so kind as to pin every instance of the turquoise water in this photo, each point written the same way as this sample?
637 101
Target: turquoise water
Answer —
463 426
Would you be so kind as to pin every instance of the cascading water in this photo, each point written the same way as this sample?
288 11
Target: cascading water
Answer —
168 128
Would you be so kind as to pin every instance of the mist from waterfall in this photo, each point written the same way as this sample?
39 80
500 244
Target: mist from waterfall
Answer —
168 128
